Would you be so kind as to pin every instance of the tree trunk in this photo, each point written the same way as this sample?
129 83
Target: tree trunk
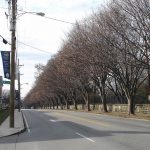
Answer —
104 103
67 105
50 105
103 98
83 106
61 102
75 105
53 104
130 100
88 103
62 107
57 103
74 100
88 106
94 94
130 106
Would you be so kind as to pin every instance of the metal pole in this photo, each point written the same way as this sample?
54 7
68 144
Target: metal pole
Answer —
12 71
1 85
19 87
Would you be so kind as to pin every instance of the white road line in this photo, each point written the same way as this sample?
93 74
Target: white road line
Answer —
53 120
27 124
85 137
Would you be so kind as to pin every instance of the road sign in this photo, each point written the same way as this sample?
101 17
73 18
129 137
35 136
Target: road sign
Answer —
6 82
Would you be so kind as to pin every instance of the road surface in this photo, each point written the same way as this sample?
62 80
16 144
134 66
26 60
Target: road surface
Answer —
62 130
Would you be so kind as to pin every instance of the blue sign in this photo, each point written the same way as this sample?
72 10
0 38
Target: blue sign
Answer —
6 63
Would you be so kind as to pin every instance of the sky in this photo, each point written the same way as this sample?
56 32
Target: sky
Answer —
40 32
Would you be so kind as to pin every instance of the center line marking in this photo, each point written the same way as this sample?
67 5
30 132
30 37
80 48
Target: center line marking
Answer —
85 137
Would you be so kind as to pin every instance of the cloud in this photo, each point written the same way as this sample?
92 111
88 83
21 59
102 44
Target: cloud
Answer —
57 3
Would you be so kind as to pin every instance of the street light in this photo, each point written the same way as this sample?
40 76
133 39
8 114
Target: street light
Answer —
43 15
40 14
31 12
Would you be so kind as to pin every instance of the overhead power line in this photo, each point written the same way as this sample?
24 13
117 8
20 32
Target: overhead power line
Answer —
33 47
6 42
58 20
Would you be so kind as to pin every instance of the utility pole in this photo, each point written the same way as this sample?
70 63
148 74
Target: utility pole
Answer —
12 68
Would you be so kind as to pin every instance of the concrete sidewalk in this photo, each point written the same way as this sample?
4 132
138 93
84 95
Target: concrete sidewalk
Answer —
19 125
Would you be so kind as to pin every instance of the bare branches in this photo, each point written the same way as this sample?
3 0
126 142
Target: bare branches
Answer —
108 51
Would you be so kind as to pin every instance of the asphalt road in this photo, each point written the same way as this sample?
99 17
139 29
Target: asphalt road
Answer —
62 130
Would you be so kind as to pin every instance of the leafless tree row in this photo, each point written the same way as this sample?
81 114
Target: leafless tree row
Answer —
105 54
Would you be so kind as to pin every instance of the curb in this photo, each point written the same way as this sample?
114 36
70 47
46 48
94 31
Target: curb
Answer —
20 131
25 126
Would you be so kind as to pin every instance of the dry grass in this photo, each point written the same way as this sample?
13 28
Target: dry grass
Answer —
117 114
120 114
125 115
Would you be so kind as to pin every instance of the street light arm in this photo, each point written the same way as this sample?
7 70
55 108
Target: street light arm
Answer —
30 12
43 15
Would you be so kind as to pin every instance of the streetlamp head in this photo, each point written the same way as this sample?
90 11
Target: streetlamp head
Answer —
40 14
